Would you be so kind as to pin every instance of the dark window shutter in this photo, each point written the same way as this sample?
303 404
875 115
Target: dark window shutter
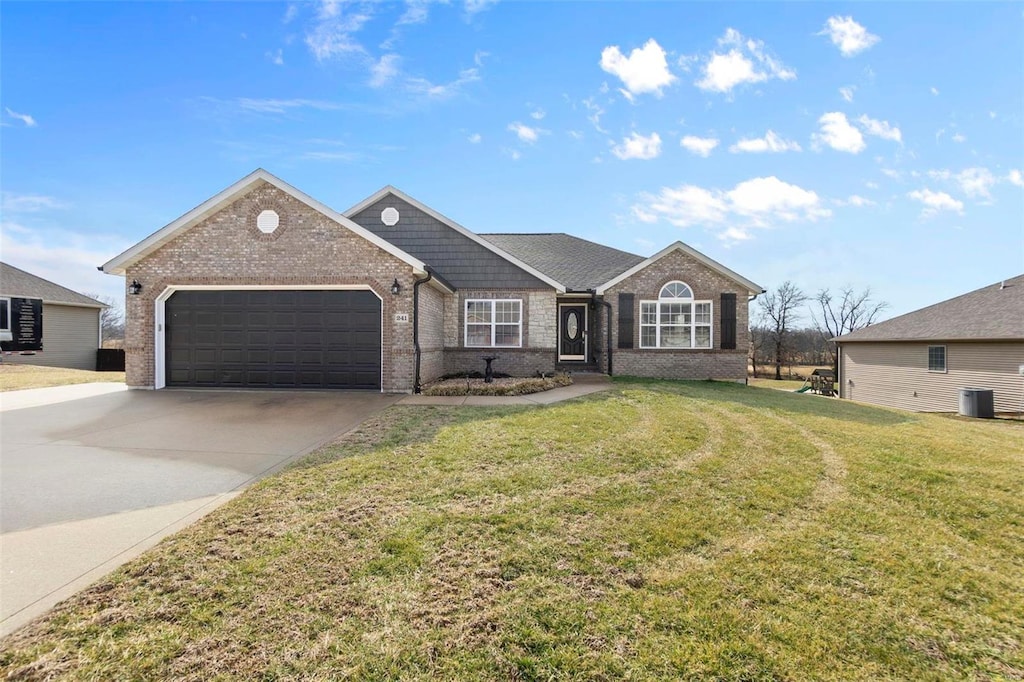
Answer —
625 320
727 315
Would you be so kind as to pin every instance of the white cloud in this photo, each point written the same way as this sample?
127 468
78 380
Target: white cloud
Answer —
513 154
935 202
870 184
24 118
422 86
976 183
701 146
1014 177
891 173
474 138
416 12
594 115
746 61
645 70
765 198
282 106
855 200
538 114
290 13
934 90
959 138
384 70
275 56
847 92
475 6
67 258
636 146
838 134
525 133
769 143
29 203
755 203
576 134
850 37
333 34
880 129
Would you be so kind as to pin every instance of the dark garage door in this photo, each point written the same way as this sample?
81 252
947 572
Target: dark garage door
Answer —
273 339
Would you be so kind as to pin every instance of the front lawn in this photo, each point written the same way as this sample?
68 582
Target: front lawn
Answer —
17 377
655 531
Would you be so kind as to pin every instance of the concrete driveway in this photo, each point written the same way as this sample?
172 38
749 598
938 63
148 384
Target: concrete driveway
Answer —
87 483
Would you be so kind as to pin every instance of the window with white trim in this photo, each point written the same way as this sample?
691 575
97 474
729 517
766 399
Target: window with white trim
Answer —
5 314
936 358
675 320
494 323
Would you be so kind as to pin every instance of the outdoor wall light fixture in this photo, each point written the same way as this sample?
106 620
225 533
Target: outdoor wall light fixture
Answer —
134 288
395 287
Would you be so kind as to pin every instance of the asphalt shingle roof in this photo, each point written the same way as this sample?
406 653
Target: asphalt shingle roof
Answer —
577 263
995 312
16 282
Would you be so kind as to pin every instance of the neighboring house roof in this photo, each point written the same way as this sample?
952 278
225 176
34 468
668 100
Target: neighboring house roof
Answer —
118 264
459 229
693 253
577 263
15 282
992 313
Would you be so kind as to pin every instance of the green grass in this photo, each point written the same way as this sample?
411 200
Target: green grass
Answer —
17 377
655 531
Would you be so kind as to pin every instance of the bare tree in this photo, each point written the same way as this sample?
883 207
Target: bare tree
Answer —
112 317
782 309
843 313
758 336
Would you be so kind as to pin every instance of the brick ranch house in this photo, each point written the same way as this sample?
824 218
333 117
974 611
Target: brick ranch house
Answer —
264 286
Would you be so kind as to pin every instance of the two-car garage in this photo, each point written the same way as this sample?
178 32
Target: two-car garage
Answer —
273 338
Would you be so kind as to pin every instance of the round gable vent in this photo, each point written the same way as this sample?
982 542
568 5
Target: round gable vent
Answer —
389 216
267 221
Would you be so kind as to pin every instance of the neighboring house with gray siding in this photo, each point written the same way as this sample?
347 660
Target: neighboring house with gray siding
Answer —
920 360
69 333
264 286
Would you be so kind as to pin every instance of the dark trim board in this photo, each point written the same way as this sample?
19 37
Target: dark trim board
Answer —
274 339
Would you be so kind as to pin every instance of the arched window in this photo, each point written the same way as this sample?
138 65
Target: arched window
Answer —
675 320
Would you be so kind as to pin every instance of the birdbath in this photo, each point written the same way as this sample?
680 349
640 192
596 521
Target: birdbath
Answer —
488 371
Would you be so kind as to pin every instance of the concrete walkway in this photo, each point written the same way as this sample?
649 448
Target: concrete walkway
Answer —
583 384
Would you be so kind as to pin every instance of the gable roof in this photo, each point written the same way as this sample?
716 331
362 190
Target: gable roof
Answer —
992 313
494 248
578 263
16 282
118 264
693 253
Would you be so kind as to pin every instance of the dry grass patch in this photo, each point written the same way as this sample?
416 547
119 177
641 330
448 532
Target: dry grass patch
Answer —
655 531
17 377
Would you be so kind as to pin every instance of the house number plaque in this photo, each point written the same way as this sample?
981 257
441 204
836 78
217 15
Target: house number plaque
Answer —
401 317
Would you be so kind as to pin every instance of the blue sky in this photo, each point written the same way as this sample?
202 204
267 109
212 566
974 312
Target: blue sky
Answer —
868 144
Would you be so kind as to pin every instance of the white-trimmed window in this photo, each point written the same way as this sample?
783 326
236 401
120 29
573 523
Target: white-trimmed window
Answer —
937 359
675 320
494 323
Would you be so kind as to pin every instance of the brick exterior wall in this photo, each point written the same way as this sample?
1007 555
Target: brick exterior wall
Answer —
431 329
707 284
539 332
308 249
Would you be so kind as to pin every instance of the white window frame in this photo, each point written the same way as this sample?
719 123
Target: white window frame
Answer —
659 324
945 359
493 324
5 324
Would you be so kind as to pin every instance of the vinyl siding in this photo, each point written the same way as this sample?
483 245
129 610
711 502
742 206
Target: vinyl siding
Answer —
70 338
896 374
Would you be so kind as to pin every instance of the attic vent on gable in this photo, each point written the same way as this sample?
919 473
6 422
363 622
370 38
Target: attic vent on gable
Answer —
267 221
389 216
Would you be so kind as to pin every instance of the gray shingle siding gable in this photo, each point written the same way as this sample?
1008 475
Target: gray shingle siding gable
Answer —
460 260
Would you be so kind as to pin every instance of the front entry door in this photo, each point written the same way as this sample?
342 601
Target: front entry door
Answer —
572 331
